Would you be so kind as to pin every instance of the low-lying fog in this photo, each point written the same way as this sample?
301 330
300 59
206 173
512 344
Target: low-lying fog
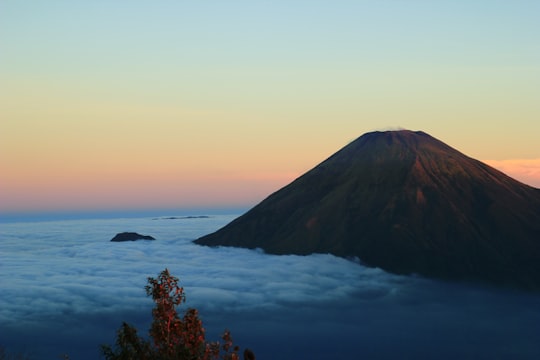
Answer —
66 289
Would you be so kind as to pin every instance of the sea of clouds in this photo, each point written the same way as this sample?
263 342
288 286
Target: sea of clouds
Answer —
65 288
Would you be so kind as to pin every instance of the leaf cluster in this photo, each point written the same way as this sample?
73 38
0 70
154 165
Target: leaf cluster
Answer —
172 337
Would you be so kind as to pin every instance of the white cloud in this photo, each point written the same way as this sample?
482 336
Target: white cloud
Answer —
65 282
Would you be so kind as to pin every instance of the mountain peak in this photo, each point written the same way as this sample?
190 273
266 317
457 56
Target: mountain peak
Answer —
408 203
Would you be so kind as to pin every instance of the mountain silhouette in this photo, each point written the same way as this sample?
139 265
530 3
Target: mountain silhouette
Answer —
407 203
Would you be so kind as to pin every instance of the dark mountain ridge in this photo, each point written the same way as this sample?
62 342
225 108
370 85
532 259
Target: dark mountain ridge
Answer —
407 203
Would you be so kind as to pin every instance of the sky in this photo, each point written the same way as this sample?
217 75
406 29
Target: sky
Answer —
178 104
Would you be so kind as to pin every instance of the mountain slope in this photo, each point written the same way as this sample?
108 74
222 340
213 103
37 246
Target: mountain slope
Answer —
408 203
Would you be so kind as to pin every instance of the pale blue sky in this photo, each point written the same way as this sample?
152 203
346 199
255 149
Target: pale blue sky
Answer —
269 88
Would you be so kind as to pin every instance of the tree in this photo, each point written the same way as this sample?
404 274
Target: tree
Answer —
173 338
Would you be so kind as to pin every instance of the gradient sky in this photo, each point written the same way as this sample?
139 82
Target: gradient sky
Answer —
154 104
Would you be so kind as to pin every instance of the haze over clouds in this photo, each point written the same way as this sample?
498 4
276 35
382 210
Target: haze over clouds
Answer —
66 288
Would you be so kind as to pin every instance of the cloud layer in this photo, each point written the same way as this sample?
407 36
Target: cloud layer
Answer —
67 288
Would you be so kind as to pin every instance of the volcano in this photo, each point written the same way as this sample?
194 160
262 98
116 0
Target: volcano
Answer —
407 203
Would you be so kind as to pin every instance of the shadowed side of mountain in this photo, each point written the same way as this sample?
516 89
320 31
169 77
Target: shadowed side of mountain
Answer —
408 203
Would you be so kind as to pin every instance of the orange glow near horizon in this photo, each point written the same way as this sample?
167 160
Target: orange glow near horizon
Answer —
525 170
152 189
138 191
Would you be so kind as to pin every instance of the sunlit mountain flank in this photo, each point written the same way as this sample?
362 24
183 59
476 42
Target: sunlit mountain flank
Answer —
407 203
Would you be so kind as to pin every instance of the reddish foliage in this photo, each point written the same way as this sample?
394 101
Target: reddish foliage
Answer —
173 338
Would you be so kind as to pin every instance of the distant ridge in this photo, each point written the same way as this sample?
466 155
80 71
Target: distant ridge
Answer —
130 236
407 203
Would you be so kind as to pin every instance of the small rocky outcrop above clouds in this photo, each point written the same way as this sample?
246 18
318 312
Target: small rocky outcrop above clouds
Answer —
130 236
183 217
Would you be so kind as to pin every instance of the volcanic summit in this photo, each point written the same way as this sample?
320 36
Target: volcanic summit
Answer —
407 203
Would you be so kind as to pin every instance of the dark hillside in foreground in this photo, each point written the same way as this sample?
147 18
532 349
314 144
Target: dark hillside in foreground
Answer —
407 203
